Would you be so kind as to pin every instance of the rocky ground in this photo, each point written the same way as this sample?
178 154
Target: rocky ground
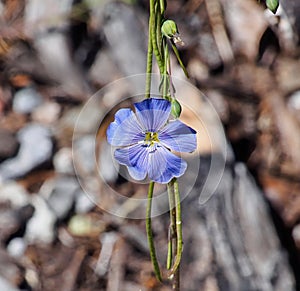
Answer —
55 55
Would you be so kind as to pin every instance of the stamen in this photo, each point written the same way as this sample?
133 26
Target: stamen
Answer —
151 138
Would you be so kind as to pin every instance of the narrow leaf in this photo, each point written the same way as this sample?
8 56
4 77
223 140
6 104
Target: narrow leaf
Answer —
179 59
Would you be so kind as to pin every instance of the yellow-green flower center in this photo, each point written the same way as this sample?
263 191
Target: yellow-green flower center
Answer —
151 138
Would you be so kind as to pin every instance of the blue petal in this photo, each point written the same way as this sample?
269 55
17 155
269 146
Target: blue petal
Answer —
135 157
125 130
153 113
178 137
163 166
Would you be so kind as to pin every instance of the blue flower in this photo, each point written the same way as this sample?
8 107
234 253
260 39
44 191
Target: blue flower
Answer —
145 140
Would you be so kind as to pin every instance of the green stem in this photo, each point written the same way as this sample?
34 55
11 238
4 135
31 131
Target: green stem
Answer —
165 72
150 234
178 228
172 229
149 62
162 5
153 35
158 30
179 59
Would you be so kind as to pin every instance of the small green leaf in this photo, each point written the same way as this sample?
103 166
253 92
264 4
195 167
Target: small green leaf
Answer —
272 5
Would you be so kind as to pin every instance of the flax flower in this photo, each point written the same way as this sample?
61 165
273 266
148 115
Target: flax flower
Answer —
145 141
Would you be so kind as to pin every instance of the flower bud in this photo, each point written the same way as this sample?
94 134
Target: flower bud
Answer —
169 29
175 108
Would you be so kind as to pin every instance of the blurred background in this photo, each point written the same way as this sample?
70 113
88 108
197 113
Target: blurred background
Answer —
55 54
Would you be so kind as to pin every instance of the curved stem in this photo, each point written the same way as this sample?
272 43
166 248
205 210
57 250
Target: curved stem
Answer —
150 234
179 59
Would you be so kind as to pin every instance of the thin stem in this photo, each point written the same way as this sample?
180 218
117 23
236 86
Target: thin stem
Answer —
178 228
158 29
165 72
179 59
153 35
162 6
150 234
149 62
172 228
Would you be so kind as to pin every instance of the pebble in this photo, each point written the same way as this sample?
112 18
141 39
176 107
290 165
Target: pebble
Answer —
13 193
26 100
85 225
35 149
104 69
125 36
84 153
296 235
8 144
294 101
83 203
47 113
17 247
62 197
6 285
63 161
40 227
109 169
84 119
52 44
10 272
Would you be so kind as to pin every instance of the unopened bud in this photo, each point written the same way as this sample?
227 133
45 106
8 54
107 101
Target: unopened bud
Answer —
175 108
169 28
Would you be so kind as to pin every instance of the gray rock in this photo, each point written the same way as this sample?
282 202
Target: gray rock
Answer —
233 234
41 226
10 273
47 113
63 162
62 197
108 167
294 103
125 36
35 149
8 144
6 285
84 153
13 193
52 43
104 70
16 247
83 202
26 100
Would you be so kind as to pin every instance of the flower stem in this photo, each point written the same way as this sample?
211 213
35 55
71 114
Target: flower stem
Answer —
149 62
178 229
152 25
179 59
165 71
150 234
172 227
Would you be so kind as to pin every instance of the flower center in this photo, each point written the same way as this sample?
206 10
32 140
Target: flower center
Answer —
151 138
